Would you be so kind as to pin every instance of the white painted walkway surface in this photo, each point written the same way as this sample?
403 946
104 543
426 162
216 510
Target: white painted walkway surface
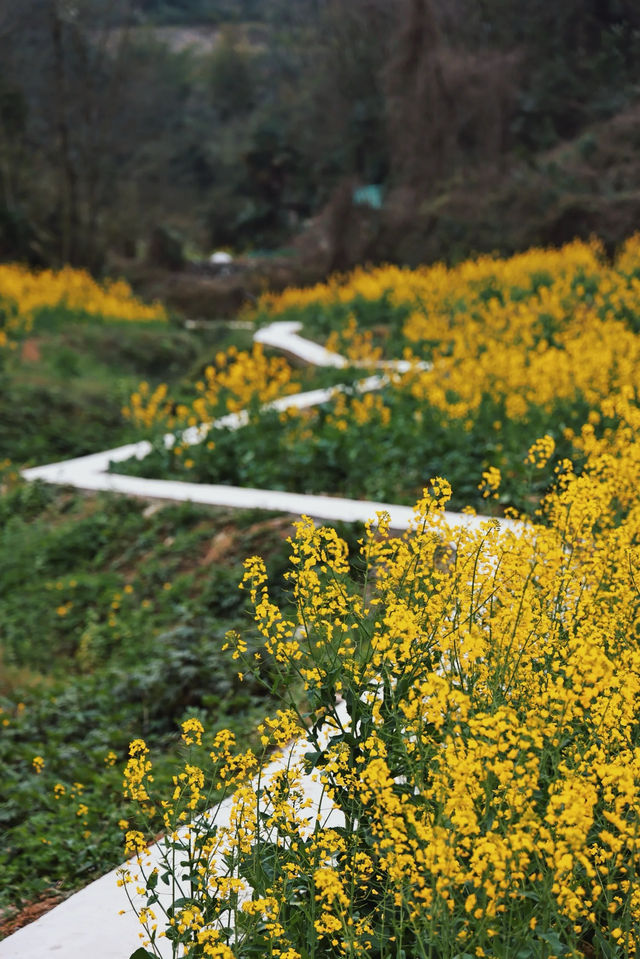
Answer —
92 472
88 925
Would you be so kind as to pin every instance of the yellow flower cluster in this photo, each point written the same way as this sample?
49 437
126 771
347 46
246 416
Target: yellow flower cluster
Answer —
364 283
24 292
137 771
149 408
369 408
357 345
238 380
489 773
241 379
490 482
75 289
540 326
492 330
541 452
192 731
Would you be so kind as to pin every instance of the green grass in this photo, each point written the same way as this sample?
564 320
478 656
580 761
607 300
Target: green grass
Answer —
113 611
63 389
113 617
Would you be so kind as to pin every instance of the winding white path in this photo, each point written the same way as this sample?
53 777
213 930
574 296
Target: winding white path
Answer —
99 923
88 925
92 472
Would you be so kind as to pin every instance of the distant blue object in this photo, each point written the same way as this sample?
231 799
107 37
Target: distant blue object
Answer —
370 195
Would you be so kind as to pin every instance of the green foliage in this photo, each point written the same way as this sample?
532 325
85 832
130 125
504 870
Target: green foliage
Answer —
190 11
112 616
231 78
112 627
366 462
579 63
67 401
246 149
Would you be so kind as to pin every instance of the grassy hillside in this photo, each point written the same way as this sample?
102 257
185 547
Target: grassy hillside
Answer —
113 611
491 682
112 614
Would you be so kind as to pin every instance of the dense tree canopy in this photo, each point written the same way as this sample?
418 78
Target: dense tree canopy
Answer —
234 121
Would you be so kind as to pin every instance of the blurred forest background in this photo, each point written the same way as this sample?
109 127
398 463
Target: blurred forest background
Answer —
139 135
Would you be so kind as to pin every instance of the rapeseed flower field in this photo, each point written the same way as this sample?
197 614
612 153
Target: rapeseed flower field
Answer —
498 352
471 696
26 295
487 774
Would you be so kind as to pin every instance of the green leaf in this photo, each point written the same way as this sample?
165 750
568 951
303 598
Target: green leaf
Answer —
606 945
311 759
179 903
142 954
554 942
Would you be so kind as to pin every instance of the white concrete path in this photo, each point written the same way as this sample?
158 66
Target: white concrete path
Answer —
88 924
92 472
99 923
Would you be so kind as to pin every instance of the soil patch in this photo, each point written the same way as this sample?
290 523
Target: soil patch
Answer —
33 910
30 351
